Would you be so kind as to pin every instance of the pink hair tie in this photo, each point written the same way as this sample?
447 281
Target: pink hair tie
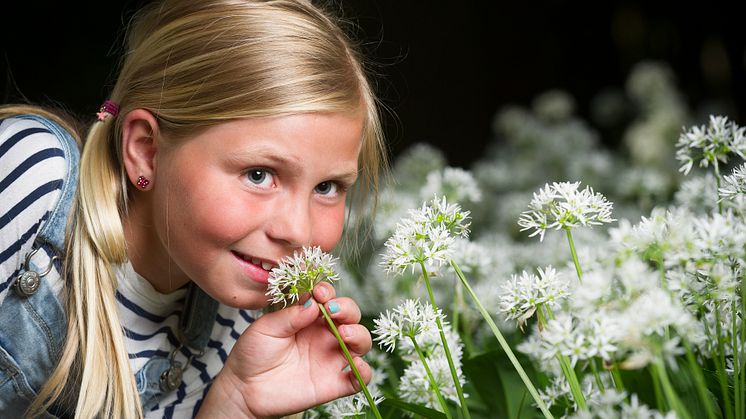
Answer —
108 108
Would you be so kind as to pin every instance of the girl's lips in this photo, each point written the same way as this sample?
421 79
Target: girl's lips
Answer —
255 269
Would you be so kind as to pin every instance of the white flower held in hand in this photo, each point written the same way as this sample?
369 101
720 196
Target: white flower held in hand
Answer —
299 274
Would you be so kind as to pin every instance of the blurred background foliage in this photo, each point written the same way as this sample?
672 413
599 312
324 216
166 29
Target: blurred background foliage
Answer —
444 68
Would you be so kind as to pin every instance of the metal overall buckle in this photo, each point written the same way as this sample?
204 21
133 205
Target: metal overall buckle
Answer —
171 378
28 281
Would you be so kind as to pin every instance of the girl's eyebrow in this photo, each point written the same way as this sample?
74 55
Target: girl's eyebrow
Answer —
242 157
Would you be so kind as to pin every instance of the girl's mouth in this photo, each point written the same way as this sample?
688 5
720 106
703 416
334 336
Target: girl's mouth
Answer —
256 269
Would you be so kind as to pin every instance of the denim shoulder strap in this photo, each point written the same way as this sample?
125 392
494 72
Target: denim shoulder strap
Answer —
198 318
53 231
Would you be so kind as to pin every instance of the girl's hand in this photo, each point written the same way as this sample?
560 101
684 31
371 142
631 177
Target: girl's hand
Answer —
289 360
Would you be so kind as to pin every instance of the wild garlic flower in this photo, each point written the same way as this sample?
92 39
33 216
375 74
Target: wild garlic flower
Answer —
734 184
299 274
414 384
557 390
410 319
562 205
696 192
523 294
426 236
711 145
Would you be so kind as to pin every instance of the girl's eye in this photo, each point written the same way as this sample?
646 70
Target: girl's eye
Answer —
326 188
260 177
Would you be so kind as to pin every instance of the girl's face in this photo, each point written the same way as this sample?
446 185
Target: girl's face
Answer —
229 203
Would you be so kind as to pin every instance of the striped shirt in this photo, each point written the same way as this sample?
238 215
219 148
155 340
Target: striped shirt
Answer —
32 168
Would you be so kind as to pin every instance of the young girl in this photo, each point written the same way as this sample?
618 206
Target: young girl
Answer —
230 140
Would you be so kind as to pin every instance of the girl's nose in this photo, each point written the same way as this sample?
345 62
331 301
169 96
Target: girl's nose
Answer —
291 223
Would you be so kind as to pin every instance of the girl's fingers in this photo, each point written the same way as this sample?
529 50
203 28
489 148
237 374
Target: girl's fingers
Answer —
357 338
324 292
343 310
366 373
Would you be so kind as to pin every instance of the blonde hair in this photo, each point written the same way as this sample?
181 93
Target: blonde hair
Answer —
193 64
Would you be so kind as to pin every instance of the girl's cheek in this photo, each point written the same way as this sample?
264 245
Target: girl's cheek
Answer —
331 231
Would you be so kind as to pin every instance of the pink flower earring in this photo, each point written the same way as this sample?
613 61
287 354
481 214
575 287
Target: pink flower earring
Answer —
142 182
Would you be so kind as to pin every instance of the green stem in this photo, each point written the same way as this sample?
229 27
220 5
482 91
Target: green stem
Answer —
599 383
699 380
333 327
720 364
664 285
457 303
743 338
570 375
669 391
717 190
737 396
662 272
503 343
433 383
657 390
616 376
446 349
466 329
574 255
572 380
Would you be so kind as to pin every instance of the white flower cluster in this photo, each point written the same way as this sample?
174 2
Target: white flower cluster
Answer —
415 320
711 145
563 205
299 274
414 384
426 236
734 184
577 339
523 294
410 319
615 404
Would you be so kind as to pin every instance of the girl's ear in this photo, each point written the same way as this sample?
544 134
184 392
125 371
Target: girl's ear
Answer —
139 147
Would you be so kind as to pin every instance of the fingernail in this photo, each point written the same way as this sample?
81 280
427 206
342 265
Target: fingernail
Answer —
333 307
308 303
347 332
321 292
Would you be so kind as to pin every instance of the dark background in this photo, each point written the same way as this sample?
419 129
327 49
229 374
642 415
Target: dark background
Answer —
444 68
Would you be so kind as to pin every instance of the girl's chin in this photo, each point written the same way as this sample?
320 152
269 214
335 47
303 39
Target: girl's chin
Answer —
245 302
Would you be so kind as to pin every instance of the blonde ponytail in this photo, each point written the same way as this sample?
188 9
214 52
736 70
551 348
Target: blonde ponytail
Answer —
94 350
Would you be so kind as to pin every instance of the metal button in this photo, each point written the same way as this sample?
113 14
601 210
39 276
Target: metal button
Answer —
27 284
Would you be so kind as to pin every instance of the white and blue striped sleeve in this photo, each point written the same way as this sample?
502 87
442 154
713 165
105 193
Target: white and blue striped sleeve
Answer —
32 169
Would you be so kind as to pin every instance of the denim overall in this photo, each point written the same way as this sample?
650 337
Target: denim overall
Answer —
33 323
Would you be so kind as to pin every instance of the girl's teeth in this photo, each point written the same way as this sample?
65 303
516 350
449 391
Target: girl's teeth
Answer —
265 265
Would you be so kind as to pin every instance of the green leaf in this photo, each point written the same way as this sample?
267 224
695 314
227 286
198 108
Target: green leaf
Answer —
414 408
683 382
499 386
